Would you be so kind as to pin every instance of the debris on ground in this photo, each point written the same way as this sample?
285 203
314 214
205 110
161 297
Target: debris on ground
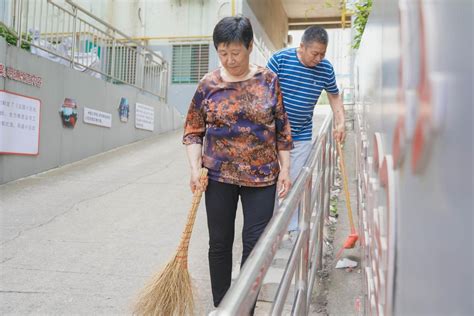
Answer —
346 263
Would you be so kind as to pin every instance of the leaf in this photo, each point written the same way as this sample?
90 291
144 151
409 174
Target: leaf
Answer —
361 13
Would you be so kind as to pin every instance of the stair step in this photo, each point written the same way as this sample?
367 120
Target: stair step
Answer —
271 284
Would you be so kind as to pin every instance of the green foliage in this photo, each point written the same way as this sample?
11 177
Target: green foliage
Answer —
333 206
362 11
11 37
28 39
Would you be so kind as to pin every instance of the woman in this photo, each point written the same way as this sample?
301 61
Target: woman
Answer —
238 111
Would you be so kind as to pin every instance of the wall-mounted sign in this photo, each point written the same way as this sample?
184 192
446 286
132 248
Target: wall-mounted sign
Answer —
144 117
19 124
18 75
68 113
97 117
123 110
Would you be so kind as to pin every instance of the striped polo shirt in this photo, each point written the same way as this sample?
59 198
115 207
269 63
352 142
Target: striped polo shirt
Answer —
301 87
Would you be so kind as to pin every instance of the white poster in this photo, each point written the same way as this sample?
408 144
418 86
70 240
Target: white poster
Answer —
19 124
95 117
144 117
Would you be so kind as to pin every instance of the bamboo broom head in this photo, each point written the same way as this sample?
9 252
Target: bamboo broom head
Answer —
169 292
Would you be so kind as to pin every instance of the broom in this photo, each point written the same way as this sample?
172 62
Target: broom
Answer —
169 292
353 237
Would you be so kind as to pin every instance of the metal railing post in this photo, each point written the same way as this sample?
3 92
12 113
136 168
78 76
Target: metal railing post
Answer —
74 39
322 206
140 68
305 259
96 33
331 170
112 67
321 239
327 176
13 12
300 266
27 13
165 81
333 164
19 13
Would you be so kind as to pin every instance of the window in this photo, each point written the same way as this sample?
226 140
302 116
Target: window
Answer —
190 63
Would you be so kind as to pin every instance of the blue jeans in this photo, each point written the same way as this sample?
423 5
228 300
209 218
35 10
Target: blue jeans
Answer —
298 156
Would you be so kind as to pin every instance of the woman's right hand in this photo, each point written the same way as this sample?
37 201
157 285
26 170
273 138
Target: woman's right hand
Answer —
196 183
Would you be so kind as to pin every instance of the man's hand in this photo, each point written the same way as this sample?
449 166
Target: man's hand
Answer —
284 183
337 107
339 133
196 183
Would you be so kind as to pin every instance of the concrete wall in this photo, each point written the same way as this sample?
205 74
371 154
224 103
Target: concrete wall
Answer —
157 18
263 46
272 17
422 205
59 145
5 12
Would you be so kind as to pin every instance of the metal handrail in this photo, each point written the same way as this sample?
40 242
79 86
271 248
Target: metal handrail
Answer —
111 27
306 256
119 58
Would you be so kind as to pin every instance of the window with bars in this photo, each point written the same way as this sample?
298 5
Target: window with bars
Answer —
190 63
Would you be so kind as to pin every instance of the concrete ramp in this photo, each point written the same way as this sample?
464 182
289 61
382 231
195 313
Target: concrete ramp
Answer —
82 239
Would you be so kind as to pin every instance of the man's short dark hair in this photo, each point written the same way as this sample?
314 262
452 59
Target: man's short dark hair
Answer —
315 34
233 29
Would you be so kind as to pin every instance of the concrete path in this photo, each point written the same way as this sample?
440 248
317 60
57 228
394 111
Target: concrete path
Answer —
336 291
345 290
82 239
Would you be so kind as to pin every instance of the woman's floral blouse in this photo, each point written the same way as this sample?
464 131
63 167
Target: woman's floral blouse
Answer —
243 124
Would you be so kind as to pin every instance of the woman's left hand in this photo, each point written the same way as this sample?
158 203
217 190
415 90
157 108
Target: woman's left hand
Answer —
284 183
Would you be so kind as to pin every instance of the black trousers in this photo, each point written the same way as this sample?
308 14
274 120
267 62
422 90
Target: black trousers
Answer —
221 206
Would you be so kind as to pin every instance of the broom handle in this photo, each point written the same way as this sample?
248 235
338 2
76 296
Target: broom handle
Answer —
346 188
186 235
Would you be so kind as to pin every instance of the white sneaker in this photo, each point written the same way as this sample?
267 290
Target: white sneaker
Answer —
289 239
293 235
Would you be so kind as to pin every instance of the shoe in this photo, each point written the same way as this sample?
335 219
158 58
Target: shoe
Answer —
289 239
293 235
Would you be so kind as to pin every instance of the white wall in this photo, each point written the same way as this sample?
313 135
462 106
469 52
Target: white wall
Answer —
158 18
263 47
193 18
5 12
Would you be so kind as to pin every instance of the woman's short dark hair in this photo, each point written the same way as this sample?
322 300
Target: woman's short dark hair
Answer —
233 29
315 34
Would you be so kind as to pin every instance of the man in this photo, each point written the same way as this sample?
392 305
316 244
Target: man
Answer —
303 73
